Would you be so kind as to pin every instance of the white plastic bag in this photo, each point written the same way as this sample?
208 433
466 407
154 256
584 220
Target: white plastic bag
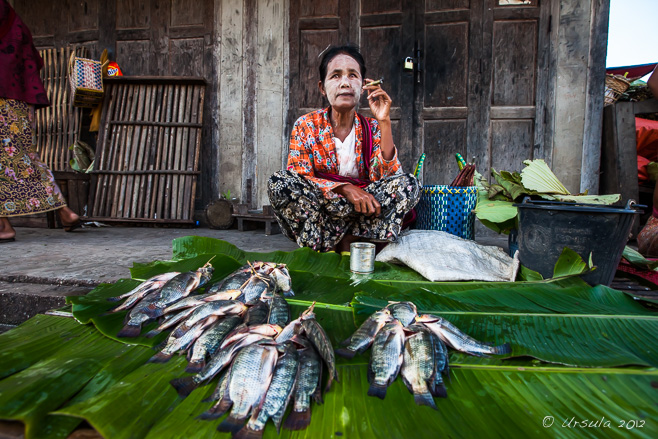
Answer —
440 256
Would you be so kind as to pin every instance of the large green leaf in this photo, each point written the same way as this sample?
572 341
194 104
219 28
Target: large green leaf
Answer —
549 324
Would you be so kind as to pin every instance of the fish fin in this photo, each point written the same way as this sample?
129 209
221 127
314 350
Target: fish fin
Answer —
439 390
345 353
114 299
231 424
160 357
424 399
184 386
248 433
377 390
298 420
130 331
216 411
503 349
152 333
346 342
195 367
289 293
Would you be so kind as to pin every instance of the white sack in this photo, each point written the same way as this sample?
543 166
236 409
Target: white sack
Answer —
440 256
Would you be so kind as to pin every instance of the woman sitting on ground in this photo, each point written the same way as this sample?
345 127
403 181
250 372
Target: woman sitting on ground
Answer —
343 181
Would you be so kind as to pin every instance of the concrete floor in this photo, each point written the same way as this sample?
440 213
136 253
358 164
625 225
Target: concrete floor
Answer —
44 265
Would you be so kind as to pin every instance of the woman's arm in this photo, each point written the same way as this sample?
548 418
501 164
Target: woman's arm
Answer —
380 105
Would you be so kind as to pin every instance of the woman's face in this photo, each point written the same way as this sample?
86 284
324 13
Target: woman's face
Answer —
343 83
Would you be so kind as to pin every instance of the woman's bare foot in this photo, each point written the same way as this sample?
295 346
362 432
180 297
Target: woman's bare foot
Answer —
7 232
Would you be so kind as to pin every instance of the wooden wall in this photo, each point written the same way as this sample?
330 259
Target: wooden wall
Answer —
242 49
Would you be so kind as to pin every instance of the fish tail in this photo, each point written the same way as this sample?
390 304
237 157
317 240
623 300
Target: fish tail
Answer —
248 433
160 357
231 425
114 299
195 367
439 390
130 331
152 333
377 390
184 386
345 353
298 420
330 382
424 399
502 349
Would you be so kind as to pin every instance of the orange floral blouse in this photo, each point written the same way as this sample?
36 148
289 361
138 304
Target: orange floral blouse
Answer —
312 149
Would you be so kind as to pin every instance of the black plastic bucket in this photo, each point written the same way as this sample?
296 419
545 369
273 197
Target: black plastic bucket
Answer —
546 227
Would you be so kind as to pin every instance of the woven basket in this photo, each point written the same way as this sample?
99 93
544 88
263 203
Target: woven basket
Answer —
86 79
447 208
615 86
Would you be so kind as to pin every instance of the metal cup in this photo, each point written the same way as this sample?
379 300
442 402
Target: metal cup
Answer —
362 257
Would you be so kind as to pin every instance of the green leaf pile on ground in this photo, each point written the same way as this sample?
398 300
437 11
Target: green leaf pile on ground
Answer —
578 353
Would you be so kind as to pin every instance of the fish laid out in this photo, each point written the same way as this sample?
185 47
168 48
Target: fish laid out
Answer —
413 346
262 375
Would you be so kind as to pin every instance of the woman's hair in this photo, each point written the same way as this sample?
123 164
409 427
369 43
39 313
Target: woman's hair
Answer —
331 52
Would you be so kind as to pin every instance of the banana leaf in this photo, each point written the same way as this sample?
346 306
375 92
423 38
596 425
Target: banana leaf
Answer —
568 341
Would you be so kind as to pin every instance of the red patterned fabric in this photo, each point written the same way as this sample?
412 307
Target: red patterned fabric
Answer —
19 61
650 275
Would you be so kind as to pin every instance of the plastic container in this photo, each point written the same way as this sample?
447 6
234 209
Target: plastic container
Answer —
546 227
447 208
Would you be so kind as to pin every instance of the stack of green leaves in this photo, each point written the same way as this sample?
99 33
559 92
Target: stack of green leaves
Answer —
495 205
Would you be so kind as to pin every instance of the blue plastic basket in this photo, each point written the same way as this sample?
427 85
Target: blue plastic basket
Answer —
447 208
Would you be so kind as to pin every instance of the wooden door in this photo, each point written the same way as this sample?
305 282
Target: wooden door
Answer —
479 81
484 83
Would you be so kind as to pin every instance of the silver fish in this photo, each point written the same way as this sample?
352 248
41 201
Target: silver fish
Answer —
153 305
278 395
233 281
250 378
185 385
243 330
289 331
437 387
281 278
219 308
307 386
150 285
363 337
257 314
208 343
385 358
456 339
279 311
201 299
175 344
220 396
418 367
320 340
405 312
256 287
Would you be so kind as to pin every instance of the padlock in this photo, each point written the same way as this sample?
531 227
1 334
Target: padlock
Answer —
408 63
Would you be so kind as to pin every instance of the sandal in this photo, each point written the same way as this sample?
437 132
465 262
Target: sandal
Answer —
3 240
72 227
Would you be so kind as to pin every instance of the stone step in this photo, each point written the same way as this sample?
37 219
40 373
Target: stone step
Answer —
22 298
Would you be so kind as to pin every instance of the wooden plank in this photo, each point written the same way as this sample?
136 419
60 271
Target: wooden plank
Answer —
143 160
157 124
155 80
146 172
176 156
594 97
154 148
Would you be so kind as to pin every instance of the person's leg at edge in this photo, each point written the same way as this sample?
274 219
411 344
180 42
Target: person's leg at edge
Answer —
7 232
68 217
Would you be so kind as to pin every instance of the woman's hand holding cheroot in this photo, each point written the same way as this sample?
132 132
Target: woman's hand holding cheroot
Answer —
379 101
363 202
